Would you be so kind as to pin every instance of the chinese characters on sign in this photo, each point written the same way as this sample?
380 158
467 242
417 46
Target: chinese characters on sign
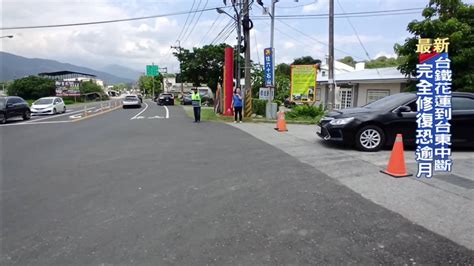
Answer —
268 66
264 93
433 135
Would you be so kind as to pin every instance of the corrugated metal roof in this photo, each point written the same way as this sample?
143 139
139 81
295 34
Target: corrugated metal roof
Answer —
382 74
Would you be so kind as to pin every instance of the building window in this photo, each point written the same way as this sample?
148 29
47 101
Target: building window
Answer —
345 97
374 95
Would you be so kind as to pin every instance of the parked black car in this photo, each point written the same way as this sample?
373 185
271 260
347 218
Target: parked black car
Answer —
376 124
166 99
13 106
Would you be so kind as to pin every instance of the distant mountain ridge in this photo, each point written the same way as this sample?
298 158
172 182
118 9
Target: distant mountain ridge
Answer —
122 71
14 67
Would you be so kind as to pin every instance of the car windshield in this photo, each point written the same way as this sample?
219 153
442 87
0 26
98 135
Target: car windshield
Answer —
390 101
166 95
131 98
2 102
44 101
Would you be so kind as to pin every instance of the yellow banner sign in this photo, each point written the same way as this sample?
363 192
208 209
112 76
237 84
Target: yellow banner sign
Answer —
303 82
426 46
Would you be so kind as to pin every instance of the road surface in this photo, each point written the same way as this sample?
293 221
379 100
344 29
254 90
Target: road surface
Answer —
146 188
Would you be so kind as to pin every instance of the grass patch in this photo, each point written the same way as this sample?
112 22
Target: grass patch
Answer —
207 114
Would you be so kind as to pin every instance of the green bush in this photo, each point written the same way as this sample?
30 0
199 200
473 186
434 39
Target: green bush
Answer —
32 87
68 101
306 111
278 102
259 106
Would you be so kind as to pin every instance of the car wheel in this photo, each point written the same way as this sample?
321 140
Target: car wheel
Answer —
370 138
64 109
54 111
3 119
27 115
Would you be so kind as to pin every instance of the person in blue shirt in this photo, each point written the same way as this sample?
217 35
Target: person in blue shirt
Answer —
237 105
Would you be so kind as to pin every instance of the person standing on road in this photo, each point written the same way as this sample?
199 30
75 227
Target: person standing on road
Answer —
237 105
196 101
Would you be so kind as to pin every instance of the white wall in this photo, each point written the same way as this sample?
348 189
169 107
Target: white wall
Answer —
364 87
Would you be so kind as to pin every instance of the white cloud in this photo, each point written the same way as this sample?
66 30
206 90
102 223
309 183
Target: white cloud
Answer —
319 5
383 53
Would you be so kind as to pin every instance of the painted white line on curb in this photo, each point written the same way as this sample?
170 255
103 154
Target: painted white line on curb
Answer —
141 112
53 116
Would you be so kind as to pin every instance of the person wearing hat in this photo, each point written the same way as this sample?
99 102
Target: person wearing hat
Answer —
196 102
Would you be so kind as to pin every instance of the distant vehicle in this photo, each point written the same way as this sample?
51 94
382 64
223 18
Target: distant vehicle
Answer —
131 101
48 105
13 106
376 124
186 100
165 99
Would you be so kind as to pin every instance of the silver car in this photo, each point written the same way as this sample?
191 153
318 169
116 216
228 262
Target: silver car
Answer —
131 101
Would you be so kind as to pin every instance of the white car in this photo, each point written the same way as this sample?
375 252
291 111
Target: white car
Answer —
48 105
131 101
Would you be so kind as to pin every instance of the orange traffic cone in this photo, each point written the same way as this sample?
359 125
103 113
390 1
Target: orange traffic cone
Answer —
396 164
281 122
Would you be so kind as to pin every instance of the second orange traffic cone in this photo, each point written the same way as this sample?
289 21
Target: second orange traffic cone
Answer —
281 122
396 165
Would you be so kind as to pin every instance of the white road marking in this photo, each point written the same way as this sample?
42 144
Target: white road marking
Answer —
75 116
167 112
141 112
155 117
53 116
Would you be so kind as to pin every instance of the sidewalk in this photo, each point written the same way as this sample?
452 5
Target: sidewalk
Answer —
443 204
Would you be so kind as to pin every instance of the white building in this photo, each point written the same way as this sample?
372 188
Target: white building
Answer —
361 86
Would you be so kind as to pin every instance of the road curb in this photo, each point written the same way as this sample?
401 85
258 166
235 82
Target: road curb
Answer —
97 114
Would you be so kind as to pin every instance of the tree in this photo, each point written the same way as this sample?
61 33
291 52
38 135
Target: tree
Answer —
444 19
89 87
257 79
306 60
32 87
383 61
204 65
145 84
348 60
283 70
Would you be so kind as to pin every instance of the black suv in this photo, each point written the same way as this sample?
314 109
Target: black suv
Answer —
376 124
13 106
166 99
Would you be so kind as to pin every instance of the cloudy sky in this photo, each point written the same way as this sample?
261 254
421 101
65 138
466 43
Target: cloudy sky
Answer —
137 43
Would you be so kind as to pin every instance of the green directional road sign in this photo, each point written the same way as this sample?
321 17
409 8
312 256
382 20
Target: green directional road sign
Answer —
152 70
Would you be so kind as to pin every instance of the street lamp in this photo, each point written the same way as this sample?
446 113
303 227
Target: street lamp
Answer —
6 36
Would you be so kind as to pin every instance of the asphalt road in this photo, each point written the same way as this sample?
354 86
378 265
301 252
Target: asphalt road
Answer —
158 191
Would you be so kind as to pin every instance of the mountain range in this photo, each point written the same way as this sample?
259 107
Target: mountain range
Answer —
14 67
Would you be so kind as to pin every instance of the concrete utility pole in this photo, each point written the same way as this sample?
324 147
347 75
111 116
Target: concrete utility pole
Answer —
179 48
332 89
238 12
248 87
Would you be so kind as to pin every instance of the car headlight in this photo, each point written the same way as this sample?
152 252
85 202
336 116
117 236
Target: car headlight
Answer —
341 121
161 98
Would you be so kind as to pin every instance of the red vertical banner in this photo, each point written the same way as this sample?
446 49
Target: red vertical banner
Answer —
228 80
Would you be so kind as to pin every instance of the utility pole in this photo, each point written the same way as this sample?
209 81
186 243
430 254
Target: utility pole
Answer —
238 12
248 88
179 48
332 89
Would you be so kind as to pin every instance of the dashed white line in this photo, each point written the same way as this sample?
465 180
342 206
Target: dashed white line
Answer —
141 112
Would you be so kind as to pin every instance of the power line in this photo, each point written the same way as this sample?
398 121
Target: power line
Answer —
339 17
191 21
225 35
316 40
325 15
194 26
219 35
209 30
186 22
288 7
109 21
